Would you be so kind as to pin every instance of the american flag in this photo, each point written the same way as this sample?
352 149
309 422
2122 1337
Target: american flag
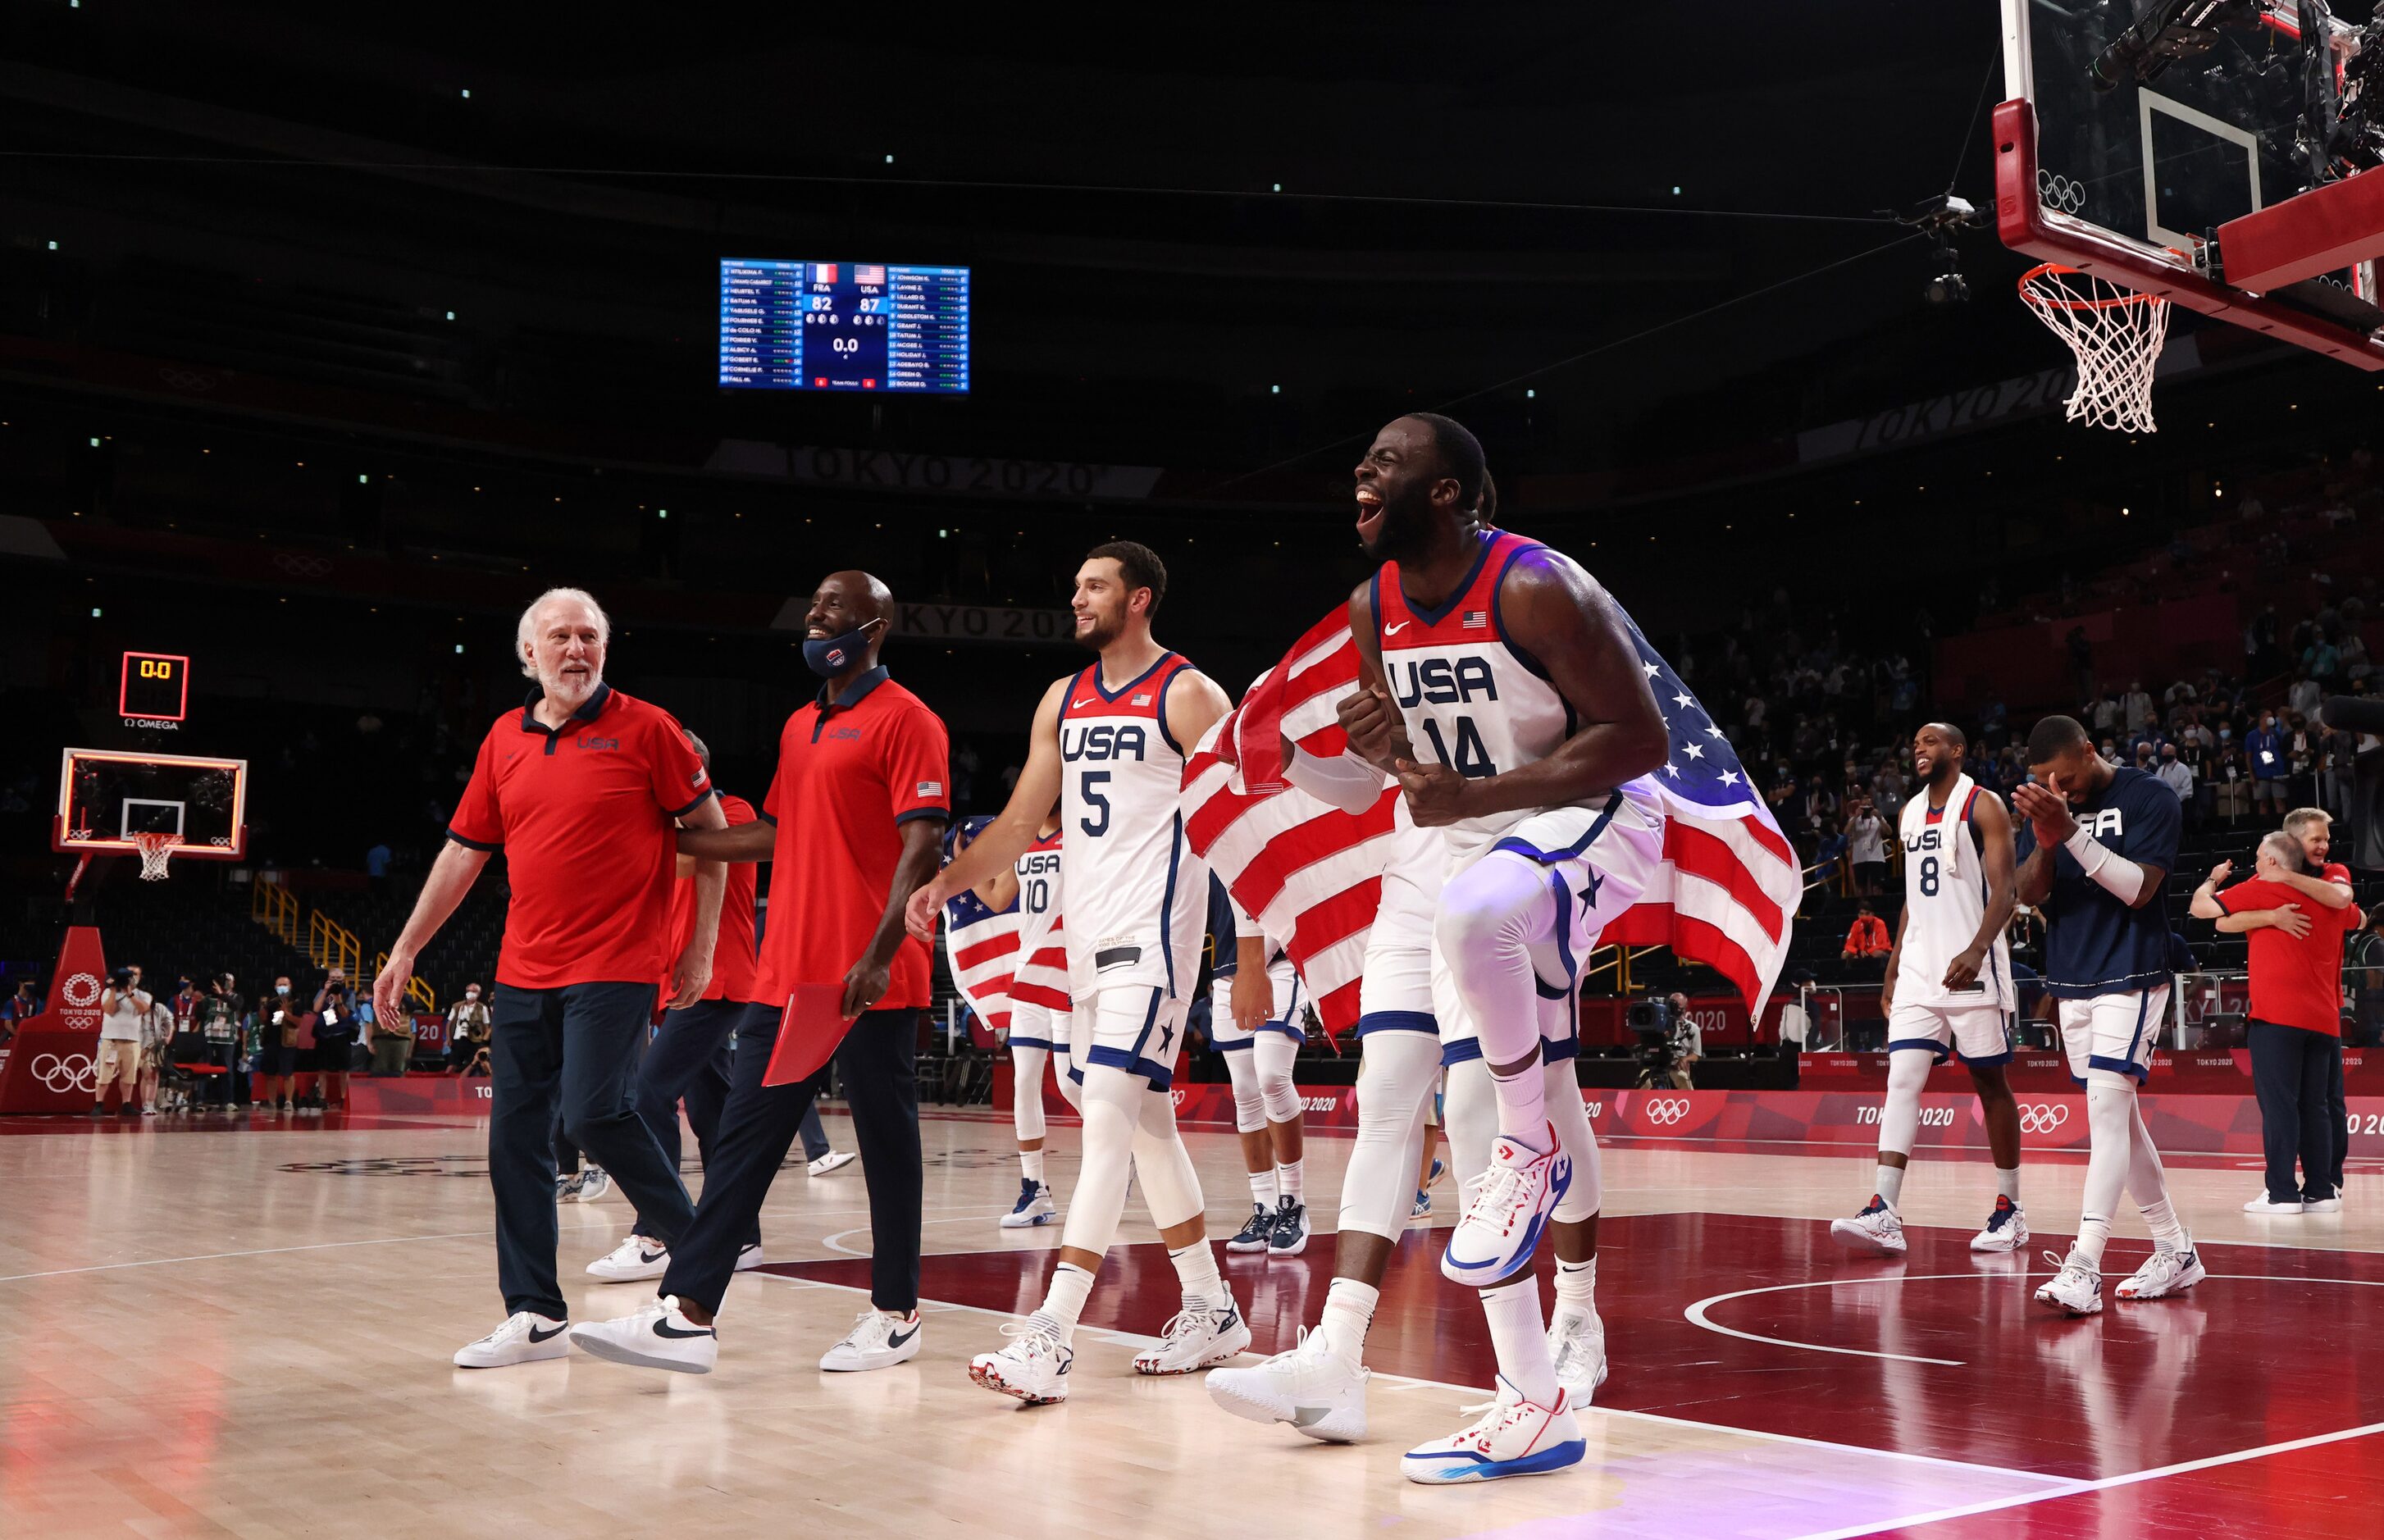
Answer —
869 273
981 944
1725 895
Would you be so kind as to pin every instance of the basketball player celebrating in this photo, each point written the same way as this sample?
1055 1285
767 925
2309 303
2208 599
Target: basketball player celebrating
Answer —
1108 744
1500 685
1039 1008
1254 1010
1949 987
2100 841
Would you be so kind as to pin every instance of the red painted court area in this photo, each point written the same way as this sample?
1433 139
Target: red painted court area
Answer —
1763 1325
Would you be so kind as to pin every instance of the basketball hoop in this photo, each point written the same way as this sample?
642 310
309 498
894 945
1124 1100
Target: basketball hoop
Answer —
2116 334
155 851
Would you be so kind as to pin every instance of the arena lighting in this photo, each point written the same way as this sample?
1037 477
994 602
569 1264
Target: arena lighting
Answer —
1275 389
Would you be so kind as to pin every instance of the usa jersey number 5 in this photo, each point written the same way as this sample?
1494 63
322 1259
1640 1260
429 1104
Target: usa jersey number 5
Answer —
1094 798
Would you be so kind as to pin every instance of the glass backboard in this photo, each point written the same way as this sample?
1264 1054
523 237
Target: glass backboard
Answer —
107 797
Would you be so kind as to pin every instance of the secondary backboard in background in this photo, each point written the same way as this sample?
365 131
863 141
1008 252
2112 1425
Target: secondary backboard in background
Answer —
2132 184
105 797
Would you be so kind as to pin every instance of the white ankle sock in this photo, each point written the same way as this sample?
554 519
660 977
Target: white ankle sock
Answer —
1195 1269
1520 1338
1523 1107
1262 1188
1290 1179
1071 1286
1577 1285
2092 1235
2167 1233
2007 1183
1348 1311
1030 1165
1889 1184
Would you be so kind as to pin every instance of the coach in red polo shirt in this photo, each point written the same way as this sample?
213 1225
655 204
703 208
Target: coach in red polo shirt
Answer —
2297 929
580 789
853 826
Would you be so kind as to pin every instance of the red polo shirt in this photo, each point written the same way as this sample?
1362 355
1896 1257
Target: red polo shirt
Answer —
2296 981
583 812
732 949
850 776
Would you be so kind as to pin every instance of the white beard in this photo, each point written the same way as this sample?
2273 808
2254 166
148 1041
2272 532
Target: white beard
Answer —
567 692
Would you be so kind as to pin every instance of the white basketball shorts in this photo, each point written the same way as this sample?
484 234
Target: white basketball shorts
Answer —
2114 1032
1285 1015
1974 1034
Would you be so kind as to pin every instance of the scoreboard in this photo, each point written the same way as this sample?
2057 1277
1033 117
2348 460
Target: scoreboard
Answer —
844 326
155 689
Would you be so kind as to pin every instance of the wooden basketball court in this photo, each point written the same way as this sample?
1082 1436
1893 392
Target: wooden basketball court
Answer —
210 1329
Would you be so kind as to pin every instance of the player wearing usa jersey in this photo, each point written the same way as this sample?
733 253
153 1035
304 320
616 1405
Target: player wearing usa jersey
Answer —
1109 745
1500 685
1038 1010
1949 987
1255 1006
2098 847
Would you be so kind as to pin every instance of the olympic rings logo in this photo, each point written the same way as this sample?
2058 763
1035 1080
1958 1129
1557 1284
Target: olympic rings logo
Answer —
80 990
61 1075
1665 1112
2041 1117
2056 190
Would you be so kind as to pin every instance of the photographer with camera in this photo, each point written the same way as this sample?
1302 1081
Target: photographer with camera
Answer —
335 1040
1688 1039
219 1023
277 1020
123 1007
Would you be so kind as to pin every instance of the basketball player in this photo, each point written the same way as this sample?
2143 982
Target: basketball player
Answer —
1518 675
1039 1008
1254 1020
1109 745
1949 987
688 1056
2099 844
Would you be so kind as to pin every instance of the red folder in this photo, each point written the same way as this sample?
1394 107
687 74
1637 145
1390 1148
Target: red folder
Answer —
808 1029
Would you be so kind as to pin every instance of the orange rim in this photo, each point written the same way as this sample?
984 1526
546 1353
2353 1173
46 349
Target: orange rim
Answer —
2064 302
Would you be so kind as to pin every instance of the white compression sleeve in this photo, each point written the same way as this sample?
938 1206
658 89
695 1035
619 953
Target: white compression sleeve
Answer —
1112 1109
1395 1071
1345 782
1274 1053
1249 1107
1171 1187
1575 1138
1899 1117
1027 1091
2115 875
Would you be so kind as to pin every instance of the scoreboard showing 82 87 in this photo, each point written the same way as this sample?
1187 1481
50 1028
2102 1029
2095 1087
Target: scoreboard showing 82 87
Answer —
844 326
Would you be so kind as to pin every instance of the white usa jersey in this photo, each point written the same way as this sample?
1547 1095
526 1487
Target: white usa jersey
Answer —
1469 696
1942 913
1042 977
1138 896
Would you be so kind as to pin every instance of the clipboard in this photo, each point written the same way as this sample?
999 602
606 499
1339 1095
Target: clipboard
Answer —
810 1027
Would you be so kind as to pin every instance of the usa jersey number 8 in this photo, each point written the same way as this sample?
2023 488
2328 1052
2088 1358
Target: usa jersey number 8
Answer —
1928 877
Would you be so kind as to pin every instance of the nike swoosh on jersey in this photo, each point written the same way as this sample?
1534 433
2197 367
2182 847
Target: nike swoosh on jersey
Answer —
1394 630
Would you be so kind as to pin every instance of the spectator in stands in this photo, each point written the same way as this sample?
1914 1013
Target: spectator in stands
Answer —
21 1007
1867 846
156 1041
1867 936
376 862
219 1023
2104 715
1994 719
2231 778
2364 957
335 1042
2322 661
391 1042
186 1002
1888 791
2304 696
2178 776
2136 707
2337 763
279 1018
1828 855
2353 649
123 1010
2263 750
1688 1041
468 1030
2301 741
2297 925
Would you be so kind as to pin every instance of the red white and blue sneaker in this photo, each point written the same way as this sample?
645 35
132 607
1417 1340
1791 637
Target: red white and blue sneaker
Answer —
1034 1206
1877 1228
659 1337
2164 1272
1507 1208
1033 1368
1512 1437
1198 1337
2006 1228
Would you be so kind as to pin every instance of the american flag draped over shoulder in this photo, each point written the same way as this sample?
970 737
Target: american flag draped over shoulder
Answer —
981 944
1310 873
1725 895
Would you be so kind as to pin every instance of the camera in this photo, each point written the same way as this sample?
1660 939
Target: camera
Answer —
120 978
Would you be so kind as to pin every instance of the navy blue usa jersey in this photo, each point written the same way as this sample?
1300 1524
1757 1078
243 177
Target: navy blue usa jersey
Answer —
2094 943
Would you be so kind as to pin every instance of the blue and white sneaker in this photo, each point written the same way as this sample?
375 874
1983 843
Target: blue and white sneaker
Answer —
2164 1272
1512 1437
1495 1237
1878 1228
1423 1210
2006 1228
1198 1337
1289 1237
1034 1205
1255 1231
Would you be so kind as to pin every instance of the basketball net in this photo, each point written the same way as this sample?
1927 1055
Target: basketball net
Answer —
2116 334
155 851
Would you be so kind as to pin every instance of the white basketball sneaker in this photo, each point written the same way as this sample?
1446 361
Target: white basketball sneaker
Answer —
2077 1290
877 1341
1034 1207
1577 1345
2006 1228
1507 1207
834 1160
1512 1437
1034 1367
750 1256
634 1258
526 1337
1312 1388
593 1184
1289 1237
1197 1338
659 1337
2162 1273
1877 1228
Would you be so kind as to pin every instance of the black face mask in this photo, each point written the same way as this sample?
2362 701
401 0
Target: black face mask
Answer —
829 656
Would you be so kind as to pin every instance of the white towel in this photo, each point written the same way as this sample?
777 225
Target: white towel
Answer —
1916 818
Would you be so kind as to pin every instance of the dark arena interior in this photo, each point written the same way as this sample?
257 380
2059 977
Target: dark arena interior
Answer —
900 649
